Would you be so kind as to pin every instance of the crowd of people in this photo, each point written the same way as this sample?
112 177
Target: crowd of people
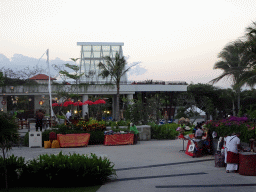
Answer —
231 147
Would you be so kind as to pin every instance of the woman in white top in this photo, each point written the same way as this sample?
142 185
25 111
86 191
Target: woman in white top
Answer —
232 145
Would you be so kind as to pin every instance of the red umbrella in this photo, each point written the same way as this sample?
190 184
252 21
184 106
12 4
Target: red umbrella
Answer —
67 103
55 104
101 101
88 102
75 103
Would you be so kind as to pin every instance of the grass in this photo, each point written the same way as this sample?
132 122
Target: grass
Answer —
79 189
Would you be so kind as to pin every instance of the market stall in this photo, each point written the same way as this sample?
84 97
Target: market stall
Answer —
73 140
119 139
195 147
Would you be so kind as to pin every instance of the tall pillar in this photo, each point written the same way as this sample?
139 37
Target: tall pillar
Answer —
130 97
114 105
85 107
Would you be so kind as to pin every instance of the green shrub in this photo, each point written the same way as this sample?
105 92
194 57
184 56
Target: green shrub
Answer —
166 131
96 137
26 139
116 124
67 170
119 129
15 166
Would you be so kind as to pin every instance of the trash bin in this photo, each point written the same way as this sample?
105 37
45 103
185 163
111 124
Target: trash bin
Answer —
35 139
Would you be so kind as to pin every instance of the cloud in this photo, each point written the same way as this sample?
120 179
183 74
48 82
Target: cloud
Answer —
136 70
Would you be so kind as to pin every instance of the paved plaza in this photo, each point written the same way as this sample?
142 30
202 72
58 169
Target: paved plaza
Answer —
156 166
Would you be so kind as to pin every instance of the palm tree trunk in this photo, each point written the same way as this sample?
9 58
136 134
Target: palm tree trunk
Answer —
234 114
238 100
117 101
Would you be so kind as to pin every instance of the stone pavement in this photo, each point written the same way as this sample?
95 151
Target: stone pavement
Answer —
156 166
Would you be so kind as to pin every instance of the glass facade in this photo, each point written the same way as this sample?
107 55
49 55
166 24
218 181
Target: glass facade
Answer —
91 54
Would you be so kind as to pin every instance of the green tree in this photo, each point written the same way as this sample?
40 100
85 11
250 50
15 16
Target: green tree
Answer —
228 95
76 76
234 63
249 77
115 68
1 79
8 135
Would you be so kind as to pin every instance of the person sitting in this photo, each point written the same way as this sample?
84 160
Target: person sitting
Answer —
199 132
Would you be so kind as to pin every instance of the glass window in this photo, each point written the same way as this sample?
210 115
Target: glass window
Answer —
105 48
105 54
96 54
87 54
96 48
87 48
115 48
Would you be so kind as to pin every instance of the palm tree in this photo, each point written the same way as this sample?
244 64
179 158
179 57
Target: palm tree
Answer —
115 68
234 63
249 77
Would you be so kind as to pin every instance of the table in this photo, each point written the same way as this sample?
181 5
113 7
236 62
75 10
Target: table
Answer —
73 140
119 139
247 163
181 136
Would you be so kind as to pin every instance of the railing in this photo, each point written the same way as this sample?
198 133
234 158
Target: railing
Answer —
146 82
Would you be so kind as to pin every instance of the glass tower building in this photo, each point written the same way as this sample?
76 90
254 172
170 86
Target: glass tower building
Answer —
94 52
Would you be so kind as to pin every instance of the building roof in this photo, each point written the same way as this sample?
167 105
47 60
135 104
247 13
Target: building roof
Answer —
101 43
41 77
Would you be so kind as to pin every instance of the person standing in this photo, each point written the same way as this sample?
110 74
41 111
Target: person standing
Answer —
39 119
232 145
134 129
68 115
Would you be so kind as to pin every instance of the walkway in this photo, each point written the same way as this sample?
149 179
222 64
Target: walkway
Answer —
156 166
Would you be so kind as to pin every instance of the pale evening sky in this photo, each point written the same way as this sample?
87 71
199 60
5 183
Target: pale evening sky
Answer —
173 40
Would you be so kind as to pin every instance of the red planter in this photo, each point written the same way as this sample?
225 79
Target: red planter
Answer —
247 163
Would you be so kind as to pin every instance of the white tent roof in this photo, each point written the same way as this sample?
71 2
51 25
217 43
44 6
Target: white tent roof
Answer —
201 112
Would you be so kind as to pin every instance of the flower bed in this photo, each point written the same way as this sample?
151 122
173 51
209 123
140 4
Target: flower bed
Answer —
91 125
231 125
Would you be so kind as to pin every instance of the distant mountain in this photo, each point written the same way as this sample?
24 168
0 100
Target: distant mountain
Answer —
19 62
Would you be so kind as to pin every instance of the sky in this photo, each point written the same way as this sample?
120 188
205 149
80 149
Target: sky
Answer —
173 40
